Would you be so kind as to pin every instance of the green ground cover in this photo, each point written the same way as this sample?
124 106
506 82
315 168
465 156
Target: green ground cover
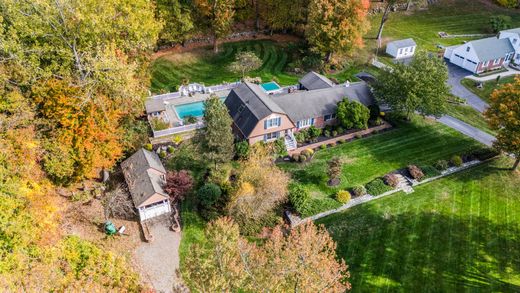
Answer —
456 234
488 87
419 142
450 16
470 116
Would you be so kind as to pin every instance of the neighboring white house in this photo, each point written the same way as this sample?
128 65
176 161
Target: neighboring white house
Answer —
487 54
401 48
145 177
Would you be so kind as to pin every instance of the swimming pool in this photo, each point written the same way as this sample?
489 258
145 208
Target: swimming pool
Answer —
270 86
192 109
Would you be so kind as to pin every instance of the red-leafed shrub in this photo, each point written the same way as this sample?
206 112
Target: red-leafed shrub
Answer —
391 180
178 184
415 172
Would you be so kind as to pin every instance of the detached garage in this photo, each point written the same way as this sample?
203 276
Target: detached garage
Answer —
145 177
401 48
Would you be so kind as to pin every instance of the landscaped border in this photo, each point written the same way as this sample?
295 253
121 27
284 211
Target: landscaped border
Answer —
294 220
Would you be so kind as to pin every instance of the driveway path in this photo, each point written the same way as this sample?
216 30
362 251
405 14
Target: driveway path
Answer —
456 74
467 129
159 259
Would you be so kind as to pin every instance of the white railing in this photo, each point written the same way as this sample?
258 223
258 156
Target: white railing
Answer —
178 129
214 88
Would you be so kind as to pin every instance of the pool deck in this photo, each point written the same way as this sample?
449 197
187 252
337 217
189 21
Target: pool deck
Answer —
198 97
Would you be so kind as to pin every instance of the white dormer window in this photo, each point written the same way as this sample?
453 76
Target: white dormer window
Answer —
514 41
272 122
467 49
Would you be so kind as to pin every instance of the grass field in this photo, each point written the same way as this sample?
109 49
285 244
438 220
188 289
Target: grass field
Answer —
488 87
450 16
203 66
457 234
470 116
420 142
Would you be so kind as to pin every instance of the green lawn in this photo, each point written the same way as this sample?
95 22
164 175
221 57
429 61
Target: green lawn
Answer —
488 87
419 142
203 66
470 116
450 16
457 234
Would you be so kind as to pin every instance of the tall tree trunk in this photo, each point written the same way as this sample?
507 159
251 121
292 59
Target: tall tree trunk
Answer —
215 44
257 15
408 4
328 57
515 165
383 20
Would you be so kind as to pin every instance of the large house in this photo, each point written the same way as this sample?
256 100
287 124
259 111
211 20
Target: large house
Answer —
145 177
259 116
487 54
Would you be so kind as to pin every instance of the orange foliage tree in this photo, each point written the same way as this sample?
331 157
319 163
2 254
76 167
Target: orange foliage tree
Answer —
503 115
301 260
336 25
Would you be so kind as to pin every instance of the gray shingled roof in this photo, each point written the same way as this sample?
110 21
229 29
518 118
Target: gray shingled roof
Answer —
144 174
307 104
314 81
248 104
492 48
403 43
512 30
154 105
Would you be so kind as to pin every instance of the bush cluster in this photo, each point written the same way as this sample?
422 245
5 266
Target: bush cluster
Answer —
441 165
148 147
377 187
359 190
415 172
242 149
343 196
456 161
391 180
299 198
430 171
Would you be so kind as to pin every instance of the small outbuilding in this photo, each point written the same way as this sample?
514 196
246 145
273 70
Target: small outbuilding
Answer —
145 177
401 48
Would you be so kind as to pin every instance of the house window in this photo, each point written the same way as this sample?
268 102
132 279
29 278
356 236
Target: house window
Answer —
271 136
406 50
305 123
411 49
400 51
485 63
496 61
329 117
241 108
273 122
514 41
467 49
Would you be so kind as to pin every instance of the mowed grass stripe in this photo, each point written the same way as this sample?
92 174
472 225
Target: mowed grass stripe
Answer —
447 240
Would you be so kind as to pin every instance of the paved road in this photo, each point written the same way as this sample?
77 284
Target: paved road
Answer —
456 74
467 129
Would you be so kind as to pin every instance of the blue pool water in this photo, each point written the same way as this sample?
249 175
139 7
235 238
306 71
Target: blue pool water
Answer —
192 109
270 86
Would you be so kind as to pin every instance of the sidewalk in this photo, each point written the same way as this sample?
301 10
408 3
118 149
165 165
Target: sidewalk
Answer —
509 72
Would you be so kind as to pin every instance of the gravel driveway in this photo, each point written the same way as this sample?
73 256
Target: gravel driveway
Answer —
456 74
159 259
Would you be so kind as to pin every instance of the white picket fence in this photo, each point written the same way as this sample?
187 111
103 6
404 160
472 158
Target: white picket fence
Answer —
178 129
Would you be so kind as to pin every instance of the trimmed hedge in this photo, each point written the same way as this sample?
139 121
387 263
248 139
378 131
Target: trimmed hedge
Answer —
359 190
391 180
299 198
429 171
377 187
456 161
343 196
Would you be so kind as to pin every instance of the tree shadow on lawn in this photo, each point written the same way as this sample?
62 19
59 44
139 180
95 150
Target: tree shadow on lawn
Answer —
426 251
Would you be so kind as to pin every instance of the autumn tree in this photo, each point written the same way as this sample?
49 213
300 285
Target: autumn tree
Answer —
178 184
245 62
301 260
420 86
177 19
217 137
259 188
336 25
219 15
88 63
503 115
352 114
